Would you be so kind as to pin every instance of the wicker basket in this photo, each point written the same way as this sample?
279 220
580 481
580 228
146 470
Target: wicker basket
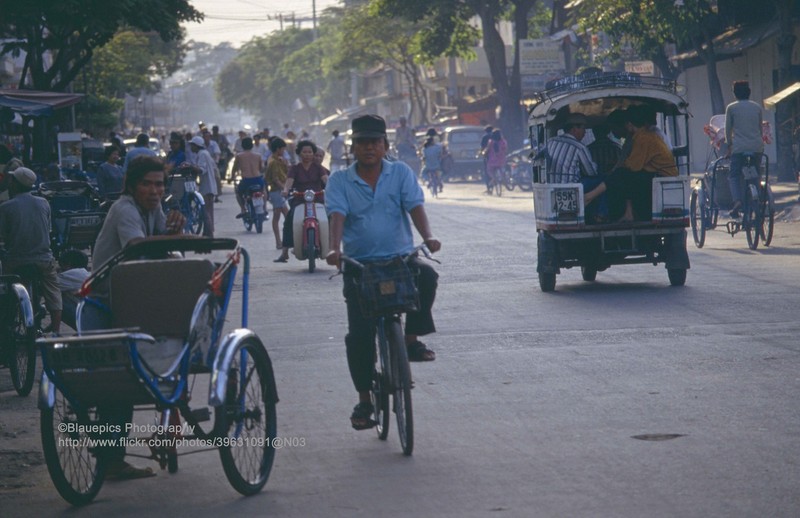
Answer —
387 288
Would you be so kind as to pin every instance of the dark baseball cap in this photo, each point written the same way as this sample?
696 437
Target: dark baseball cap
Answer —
368 126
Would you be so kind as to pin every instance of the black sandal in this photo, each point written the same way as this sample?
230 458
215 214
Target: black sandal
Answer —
419 352
361 418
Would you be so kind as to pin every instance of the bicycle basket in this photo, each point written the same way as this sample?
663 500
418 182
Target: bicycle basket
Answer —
386 288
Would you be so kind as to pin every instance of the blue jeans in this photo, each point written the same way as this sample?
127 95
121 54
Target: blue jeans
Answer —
736 178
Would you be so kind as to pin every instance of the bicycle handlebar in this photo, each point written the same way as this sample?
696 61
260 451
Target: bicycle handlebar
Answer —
422 247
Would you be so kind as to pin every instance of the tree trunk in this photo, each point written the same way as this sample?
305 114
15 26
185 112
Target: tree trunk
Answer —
510 119
714 88
783 113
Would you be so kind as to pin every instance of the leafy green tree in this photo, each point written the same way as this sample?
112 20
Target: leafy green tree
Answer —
647 26
60 37
131 63
71 30
396 47
448 20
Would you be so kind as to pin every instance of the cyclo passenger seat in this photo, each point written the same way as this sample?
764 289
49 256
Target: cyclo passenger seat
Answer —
158 297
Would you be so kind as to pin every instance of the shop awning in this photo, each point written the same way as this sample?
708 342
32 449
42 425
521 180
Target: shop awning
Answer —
36 103
771 101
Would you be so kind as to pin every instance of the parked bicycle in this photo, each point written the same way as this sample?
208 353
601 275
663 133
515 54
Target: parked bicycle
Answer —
386 290
758 211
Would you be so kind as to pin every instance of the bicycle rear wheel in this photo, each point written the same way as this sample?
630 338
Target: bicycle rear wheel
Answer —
247 421
76 469
22 350
698 217
401 390
249 214
753 220
768 215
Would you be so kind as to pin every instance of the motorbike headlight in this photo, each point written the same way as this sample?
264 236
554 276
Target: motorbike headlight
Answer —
308 195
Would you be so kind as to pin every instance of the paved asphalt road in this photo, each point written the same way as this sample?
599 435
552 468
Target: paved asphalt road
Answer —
539 405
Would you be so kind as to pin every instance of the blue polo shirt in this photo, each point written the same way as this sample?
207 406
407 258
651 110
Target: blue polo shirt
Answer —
377 224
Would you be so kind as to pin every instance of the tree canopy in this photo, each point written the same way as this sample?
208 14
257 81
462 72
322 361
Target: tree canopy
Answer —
449 26
71 30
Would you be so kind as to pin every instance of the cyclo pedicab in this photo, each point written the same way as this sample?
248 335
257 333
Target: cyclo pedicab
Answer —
565 238
164 315
757 216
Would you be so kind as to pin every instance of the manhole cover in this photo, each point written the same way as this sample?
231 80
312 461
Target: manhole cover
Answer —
657 436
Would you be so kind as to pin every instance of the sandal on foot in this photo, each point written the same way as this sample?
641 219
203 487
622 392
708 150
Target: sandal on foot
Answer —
127 472
281 259
419 352
361 418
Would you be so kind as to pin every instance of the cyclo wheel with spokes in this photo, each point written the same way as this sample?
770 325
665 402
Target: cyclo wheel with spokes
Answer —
753 221
697 217
401 374
22 351
381 386
75 467
247 421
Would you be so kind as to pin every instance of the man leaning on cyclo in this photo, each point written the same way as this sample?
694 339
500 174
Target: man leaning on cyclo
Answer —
369 204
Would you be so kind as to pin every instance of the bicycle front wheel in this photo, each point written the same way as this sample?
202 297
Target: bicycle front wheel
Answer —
22 351
247 421
311 249
401 374
381 386
75 467
195 214
753 221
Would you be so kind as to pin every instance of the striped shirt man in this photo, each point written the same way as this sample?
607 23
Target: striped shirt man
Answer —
568 160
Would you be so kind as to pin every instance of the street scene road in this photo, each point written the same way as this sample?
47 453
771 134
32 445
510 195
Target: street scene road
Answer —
623 397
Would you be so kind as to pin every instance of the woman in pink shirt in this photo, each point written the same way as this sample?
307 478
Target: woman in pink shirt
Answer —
496 156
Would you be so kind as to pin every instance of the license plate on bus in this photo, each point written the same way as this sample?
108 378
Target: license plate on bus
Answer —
85 221
189 186
565 201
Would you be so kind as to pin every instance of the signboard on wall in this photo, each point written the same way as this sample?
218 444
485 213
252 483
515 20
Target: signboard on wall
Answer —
540 56
644 68
540 61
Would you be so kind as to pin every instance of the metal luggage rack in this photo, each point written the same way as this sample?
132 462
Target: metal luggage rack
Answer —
572 84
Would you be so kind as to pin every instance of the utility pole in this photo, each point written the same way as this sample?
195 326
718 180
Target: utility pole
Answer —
314 18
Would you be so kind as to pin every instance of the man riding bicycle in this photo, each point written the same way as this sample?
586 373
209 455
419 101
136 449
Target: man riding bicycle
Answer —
369 204
25 230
